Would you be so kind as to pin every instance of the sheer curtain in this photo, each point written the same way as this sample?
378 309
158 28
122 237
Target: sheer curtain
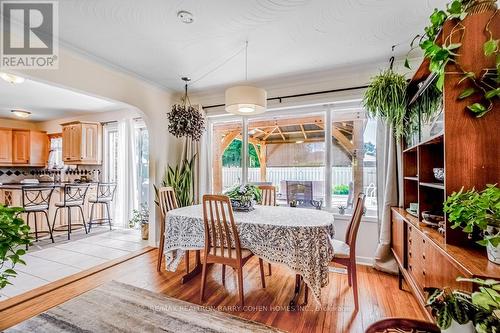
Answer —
127 196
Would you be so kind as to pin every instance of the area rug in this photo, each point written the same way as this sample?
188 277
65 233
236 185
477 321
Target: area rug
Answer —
118 307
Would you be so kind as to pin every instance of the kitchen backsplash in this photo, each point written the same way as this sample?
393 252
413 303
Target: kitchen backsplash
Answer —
16 174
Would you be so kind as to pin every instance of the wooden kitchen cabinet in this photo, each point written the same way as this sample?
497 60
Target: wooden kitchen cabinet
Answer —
5 146
22 147
82 143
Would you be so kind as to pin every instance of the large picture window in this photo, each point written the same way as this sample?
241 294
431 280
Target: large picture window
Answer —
315 157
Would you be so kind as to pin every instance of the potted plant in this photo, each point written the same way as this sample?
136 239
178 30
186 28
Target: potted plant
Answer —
140 219
472 210
458 311
342 209
385 98
243 197
14 234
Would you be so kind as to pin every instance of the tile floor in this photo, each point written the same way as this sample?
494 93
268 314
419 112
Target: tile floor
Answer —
47 262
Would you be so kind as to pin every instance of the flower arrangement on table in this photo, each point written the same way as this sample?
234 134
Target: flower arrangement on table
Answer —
243 197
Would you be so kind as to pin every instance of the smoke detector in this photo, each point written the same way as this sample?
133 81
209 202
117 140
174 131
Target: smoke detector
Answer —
185 16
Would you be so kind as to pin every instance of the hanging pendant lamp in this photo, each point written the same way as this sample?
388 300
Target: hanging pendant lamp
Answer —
246 100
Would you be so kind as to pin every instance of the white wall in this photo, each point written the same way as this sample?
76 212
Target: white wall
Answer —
89 77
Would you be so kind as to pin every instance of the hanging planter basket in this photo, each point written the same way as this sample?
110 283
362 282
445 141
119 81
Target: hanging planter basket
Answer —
185 120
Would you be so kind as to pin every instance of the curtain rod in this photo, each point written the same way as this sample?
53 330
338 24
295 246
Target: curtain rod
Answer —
280 98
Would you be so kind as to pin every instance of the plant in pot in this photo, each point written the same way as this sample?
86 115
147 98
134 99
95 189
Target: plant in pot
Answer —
14 235
140 219
243 197
386 98
180 178
477 211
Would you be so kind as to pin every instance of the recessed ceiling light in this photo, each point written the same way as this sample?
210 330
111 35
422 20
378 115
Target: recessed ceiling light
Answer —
185 16
21 113
11 78
300 141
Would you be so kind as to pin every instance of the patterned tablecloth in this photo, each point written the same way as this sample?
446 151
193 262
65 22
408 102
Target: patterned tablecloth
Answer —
299 238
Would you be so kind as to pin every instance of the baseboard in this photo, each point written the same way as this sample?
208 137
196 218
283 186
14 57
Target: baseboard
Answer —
365 261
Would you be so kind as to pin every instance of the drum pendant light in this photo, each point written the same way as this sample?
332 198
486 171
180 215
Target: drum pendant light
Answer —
246 100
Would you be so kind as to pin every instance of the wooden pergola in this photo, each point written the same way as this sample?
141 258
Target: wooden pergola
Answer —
348 134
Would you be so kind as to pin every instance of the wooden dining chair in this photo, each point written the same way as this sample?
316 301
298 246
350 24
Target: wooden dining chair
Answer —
268 199
345 252
222 242
167 201
402 325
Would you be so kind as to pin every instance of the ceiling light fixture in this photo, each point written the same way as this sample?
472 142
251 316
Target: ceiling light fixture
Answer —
246 100
21 113
11 78
185 16
300 141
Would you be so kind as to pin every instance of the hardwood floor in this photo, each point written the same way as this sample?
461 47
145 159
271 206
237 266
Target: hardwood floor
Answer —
378 294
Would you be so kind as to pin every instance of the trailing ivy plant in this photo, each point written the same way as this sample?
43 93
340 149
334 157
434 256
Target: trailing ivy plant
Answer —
14 236
486 83
385 98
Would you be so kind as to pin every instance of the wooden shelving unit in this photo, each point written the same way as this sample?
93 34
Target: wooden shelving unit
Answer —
467 149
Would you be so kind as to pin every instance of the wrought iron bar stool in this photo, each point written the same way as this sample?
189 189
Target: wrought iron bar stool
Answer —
36 199
104 196
74 197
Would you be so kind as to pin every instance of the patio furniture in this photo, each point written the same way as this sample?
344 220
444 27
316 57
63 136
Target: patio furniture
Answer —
222 242
105 193
268 195
299 191
345 252
74 197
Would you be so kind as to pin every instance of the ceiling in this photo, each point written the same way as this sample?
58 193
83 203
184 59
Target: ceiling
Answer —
47 102
285 37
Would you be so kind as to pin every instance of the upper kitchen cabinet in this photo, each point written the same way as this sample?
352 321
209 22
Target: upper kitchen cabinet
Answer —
82 143
23 147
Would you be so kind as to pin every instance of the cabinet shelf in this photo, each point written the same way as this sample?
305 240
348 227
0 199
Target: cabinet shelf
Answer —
411 178
433 185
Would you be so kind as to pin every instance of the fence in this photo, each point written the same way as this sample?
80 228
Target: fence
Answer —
340 175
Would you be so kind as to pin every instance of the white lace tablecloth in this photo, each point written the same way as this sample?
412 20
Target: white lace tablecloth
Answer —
297 237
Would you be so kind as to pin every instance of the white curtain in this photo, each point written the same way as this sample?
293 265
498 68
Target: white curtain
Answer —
388 171
127 196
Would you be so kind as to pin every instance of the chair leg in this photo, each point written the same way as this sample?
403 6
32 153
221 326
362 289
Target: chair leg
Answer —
83 219
400 279
91 215
109 215
36 226
186 257
261 268
160 252
349 276
354 285
203 280
55 217
48 225
240 286
69 222
223 275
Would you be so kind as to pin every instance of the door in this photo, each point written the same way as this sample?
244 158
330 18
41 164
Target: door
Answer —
89 143
5 146
39 149
76 142
66 143
20 147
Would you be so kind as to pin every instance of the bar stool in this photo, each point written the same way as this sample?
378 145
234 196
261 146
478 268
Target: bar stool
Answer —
104 196
36 199
74 197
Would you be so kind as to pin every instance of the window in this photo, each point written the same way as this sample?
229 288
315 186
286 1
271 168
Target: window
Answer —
55 152
110 152
142 149
292 151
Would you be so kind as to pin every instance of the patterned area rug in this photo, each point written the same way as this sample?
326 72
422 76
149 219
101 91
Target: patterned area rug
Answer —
118 307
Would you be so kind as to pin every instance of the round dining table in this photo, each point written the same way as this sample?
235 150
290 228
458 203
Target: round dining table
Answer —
299 238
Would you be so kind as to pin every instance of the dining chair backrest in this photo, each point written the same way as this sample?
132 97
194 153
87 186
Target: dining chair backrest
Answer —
168 201
300 191
106 191
221 234
36 197
352 229
74 194
268 195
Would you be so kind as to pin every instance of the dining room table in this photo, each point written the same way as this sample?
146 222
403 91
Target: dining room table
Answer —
298 238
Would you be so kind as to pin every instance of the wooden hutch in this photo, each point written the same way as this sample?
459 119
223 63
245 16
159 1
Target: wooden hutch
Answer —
468 148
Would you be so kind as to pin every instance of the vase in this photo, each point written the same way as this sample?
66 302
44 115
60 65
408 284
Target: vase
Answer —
145 231
242 205
493 251
457 328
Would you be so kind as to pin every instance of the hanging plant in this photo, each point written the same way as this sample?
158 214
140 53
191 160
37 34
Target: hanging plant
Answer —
186 120
486 83
385 98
